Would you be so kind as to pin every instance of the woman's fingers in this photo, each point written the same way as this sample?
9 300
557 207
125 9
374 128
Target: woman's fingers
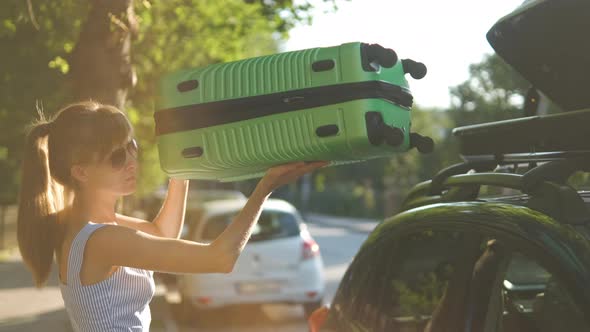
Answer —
301 165
289 167
320 163
301 170
287 173
308 167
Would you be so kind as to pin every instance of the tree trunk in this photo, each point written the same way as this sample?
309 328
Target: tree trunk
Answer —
2 225
101 67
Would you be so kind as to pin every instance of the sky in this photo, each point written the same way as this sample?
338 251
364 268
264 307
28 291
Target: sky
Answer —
447 36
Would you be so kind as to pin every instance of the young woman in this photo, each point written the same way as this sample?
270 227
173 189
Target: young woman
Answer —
76 166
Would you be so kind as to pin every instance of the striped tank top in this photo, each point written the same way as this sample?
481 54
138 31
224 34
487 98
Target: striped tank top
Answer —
118 303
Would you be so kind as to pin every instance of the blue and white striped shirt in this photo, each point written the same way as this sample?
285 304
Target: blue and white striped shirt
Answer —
118 303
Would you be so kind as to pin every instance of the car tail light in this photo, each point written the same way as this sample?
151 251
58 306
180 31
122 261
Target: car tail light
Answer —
310 248
317 319
204 300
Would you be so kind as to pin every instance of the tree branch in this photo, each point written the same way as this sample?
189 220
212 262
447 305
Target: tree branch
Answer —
32 15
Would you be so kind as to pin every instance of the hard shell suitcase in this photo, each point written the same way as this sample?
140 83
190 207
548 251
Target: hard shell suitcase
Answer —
232 121
546 42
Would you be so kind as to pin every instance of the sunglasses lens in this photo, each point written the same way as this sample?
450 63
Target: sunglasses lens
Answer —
118 158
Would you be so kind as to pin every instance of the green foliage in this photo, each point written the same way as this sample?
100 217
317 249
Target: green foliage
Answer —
172 34
34 64
423 298
580 181
492 83
342 198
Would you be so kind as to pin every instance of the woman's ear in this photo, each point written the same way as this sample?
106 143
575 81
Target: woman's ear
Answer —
79 173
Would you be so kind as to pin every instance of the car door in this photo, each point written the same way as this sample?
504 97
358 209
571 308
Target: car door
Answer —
465 267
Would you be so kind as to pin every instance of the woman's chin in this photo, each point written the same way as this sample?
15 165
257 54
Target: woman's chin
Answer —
130 192
130 188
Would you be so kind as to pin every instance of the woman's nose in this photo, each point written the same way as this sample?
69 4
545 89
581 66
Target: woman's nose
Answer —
131 161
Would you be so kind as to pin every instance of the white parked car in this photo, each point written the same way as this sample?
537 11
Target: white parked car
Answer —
281 263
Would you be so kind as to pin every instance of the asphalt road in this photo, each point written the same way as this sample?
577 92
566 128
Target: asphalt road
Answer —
23 308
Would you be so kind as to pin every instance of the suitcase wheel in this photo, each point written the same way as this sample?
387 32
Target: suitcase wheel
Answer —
416 69
375 53
424 144
393 135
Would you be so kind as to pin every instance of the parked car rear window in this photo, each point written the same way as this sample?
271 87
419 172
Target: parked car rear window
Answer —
436 280
271 225
404 284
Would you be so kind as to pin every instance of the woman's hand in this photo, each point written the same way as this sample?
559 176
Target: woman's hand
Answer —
282 174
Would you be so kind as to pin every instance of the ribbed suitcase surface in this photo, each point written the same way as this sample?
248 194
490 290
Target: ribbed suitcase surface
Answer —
233 121
271 74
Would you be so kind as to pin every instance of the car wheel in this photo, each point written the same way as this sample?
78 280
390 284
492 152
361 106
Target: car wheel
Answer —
310 307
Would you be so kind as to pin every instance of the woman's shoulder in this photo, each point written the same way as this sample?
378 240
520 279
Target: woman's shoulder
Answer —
102 239
117 245
82 231
102 234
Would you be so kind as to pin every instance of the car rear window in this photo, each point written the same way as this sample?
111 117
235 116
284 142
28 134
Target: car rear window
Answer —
271 225
525 271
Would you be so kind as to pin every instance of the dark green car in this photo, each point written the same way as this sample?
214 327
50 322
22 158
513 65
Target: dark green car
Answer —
454 261
471 266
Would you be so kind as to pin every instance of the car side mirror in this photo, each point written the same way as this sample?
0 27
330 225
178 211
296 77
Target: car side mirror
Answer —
317 318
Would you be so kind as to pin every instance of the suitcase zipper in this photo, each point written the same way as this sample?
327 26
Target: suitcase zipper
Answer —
204 115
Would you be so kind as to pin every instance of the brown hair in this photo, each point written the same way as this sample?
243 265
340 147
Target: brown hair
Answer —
80 133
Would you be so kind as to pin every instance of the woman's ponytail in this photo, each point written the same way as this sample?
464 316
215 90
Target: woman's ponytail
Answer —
39 200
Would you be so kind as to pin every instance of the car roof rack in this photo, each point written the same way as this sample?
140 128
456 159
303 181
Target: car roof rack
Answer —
533 138
549 195
553 146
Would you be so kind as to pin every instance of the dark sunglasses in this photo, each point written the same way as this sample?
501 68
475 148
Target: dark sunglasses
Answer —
119 156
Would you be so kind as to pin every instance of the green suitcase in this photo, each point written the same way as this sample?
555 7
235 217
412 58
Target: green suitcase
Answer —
232 121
